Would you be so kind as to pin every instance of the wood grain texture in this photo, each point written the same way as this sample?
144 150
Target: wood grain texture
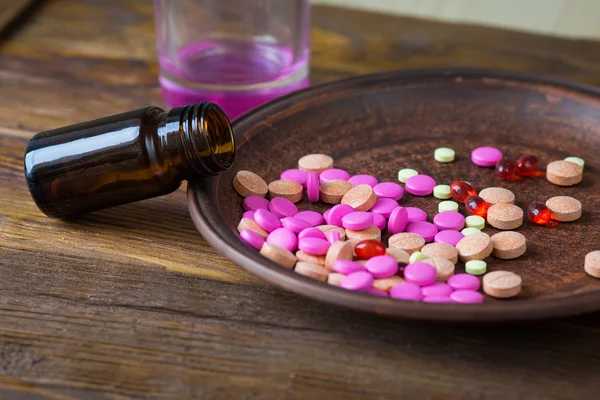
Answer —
133 303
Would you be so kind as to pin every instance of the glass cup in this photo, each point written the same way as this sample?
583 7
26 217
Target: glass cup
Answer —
236 53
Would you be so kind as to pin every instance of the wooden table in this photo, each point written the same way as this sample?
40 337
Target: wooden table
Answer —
132 303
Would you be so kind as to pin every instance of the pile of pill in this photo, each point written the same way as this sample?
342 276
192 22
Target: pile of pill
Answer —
343 246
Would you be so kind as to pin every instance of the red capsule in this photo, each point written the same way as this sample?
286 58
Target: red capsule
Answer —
475 205
461 190
527 165
538 213
366 249
505 169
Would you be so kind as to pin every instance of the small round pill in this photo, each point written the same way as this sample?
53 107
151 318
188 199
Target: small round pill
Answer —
267 220
363 179
502 284
247 223
449 237
357 281
495 195
420 185
388 190
347 267
371 233
416 257
312 187
399 255
283 238
379 220
312 232
508 245
466 297
387 284
312 217
486 156
425 229
444 155
253 203
338 251
440 250
357 220
475 221
416 214
290 190
470 231
281 256
252 238
476 267
564 208
296 175
382 266
398 220
406 291
248 214
333 174
309 258
464 282
314 246
447 205
406 173
327 228
505 216
282 207
576 160
337 213
474 247
247 183
335 279
313 271
384 206
420 273
315 163
449 220
437 289
409 242
592 263
361 198
444 268
333 191
442 192
564 173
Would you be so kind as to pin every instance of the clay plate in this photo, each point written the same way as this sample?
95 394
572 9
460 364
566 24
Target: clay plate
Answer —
380 123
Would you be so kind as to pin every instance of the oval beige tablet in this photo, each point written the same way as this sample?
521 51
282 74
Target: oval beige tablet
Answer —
496 195
327 228
386 284
338 251
502 284
335 279
398 254
441 250
474 247
444 268
360 197
409 242
281 256
247 183
564 173
313 271
508 245
332 192
290 190
371 233
309 258
505 216
564 208
315 162
592 263
247 223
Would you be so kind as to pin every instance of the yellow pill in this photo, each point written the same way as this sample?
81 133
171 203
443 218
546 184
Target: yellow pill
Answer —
444 155
476 267
442 192
448 206
576 160
416 257
406 173
475 221
470 231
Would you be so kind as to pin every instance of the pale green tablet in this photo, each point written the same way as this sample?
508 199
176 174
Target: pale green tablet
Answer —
475 221
576 160
406 173
444 155
448 205
416 257
476 267
442 192
470 231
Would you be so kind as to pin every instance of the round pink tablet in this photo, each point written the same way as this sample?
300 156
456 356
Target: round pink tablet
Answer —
312 217
357 220
377 292
448 237
420 185
384 206
389 190
466 297
295 224
333 236
416 214
363 179
360 280
486 156
312 232
252 238
314 246
347 267
337 212
253 203
406 291
312 187
296 175
437 289
284 238
427 230
282 207
332 174
248 214
379 221
398 220
420 273
382 266
463 282
326 215
267 220
449 220
437 299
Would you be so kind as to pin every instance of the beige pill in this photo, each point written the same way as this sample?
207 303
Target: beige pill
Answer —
409 242
386 284
474 247
338 251
247 223
287 189
335 279
444 268
564 173
309 258
496 195
371 233
332 192
360 197
327 228
313 271
441 250
502 284
398 254
508 245
247 183
315 162
505 216
280 255
592 263
352 243
564 208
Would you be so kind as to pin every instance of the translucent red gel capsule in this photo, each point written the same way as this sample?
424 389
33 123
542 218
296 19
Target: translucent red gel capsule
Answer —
475 205
538 213
461 190
366 249
505 169
527 165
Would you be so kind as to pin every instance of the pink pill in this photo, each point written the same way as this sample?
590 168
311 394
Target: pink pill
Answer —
296 175
332 174
420 185
382 266
463 282
326 215
437 289
377 292
363 179
379 221
398 220
416 214
295 224
406 291
248 214
333 236
338 212
389 190
486 156
312 232
282 207
312 217
384 206
283 237
427 230
314 246
357 220
253 203
437 299
312 187
449 220
420 273
347 267
252 238
466 297
448 237
267 220
360 280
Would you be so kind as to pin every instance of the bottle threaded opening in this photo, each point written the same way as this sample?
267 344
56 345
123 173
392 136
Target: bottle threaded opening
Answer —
219 134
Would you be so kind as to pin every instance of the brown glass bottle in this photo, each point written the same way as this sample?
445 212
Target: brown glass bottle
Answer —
126 157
